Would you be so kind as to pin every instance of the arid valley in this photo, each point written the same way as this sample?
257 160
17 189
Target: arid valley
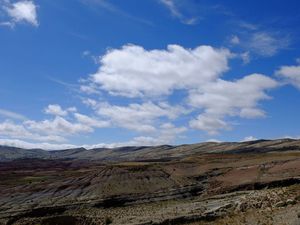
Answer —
251 183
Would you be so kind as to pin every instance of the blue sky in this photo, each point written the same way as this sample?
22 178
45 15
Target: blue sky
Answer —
111 73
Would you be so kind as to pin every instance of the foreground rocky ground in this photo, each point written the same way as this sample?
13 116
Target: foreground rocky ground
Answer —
200 188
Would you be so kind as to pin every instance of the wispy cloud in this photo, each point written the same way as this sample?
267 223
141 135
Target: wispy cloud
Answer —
170 4
267 43
258 39
108 6
88 54
70 86
258 42
79 36
175 10
248 26
11 115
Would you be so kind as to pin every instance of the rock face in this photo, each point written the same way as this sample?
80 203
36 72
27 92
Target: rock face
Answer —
187 185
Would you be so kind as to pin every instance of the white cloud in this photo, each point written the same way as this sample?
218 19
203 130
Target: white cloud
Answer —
37 145
133 71
235 40
297 137
89 102
88 54
208 123
166 135
138 117
58 125
197 71
250 138
290 74
214 140
227 98
55 110
11 115
245 57
266 44
248 26
91 122
7 24
146 80
261 43
21 11
110 7
52 130
190 21
72 109
169 132
12 130
250 113
172 6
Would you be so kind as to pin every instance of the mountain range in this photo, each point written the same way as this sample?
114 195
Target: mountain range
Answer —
151 153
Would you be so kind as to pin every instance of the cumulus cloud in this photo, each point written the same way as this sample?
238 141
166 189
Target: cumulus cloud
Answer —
229 98
167 134
91 122
58 125
125 72
133 71
145 84
138 117
20 11
290 74
56 129
12 130
226 96
55 110
208 123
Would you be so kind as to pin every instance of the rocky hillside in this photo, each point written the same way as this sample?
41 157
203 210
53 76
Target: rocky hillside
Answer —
151 153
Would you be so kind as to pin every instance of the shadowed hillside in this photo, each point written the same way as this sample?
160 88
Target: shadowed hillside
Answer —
144 153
